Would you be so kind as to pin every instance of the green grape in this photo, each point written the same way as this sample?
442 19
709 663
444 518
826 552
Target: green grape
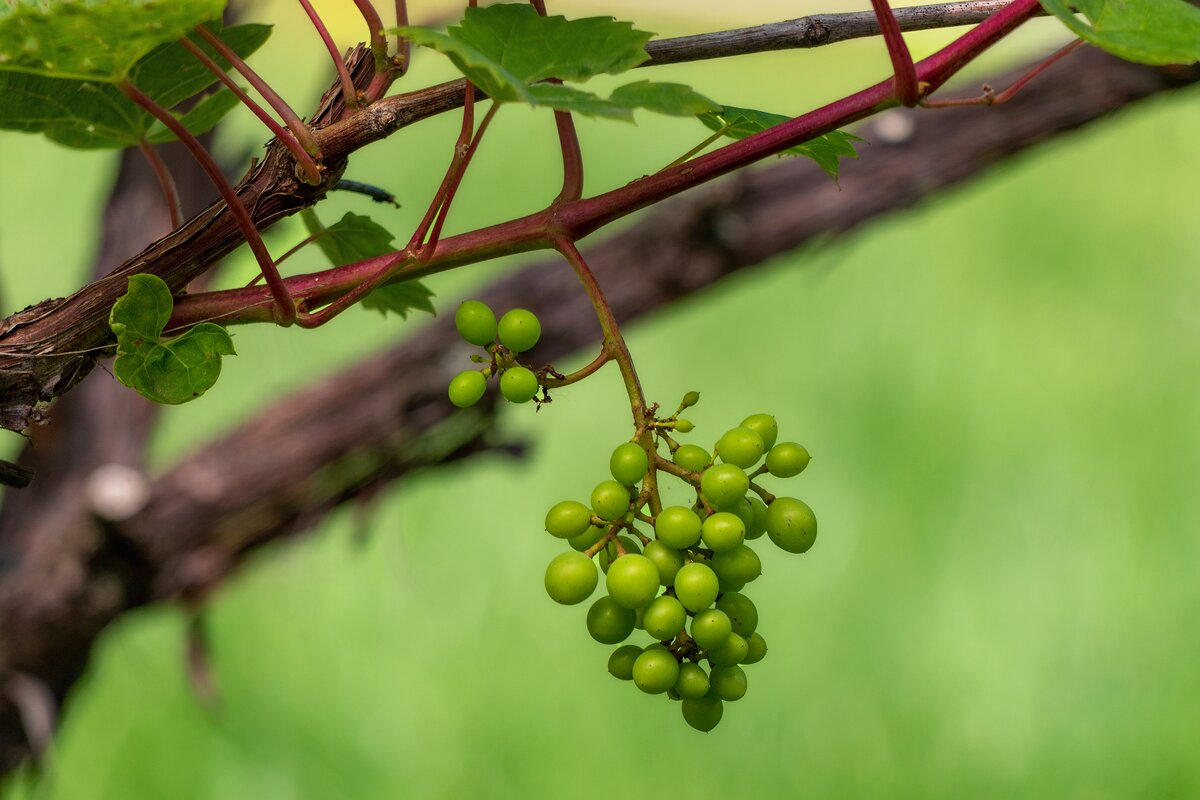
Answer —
696 586
724 484
666 560
475 322
765 426
585 540
655 670
466 388
728 683
756 648
758 526
519 330
740 446
608 622
684 426
678 527
571 578
692 457
632 580
690 399
518 385
609 554
703 713
744 511
629 463
620 663
610 500
733 651
664 618
672 694
737 567
711 628
791 524
568 519
787 459
742 613
692 682
722 531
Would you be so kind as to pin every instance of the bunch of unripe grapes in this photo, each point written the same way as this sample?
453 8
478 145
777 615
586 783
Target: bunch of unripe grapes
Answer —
680 574
517 331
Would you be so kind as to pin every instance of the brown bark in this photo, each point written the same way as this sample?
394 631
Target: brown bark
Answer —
61 583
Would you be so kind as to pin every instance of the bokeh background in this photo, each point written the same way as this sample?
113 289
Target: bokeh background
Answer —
999 390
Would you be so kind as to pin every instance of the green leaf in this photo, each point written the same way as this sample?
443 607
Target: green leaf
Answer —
674 99
98 40
507 49
200 118
356 238
167 371
827 150
87 114
515 39
1147 31
400 298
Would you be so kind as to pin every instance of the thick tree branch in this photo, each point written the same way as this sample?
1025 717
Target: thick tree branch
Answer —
57 592
46 349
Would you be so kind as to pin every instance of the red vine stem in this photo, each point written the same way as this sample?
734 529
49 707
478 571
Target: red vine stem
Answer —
403 45
283 134
289 117
349 93
579 218
285 308
375 28
907 91
456 181
170 193
465 131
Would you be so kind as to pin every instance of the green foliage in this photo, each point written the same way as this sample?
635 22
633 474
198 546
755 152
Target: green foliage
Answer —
88 114
93 40
168 371
356 237
507 49
1148 31
738 123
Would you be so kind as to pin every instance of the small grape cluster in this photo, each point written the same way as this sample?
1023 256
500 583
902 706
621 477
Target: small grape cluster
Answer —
517 331
695 566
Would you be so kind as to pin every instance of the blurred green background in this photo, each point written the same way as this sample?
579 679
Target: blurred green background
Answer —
999 391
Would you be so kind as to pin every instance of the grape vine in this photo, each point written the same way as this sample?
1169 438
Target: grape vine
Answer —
676 572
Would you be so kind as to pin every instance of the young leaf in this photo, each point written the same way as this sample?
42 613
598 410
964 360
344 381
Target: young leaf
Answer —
98 40
87 114
1147 31
507 49
400 298
168 371
738 123
356 238
531 48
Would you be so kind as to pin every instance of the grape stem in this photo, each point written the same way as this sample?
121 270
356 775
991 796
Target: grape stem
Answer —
766 496
671 468
578 375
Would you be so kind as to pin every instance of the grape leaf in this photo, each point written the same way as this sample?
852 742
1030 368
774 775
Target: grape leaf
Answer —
827 150
507 49
356 238
87 114
98 40
170 371
400 298
1146 31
